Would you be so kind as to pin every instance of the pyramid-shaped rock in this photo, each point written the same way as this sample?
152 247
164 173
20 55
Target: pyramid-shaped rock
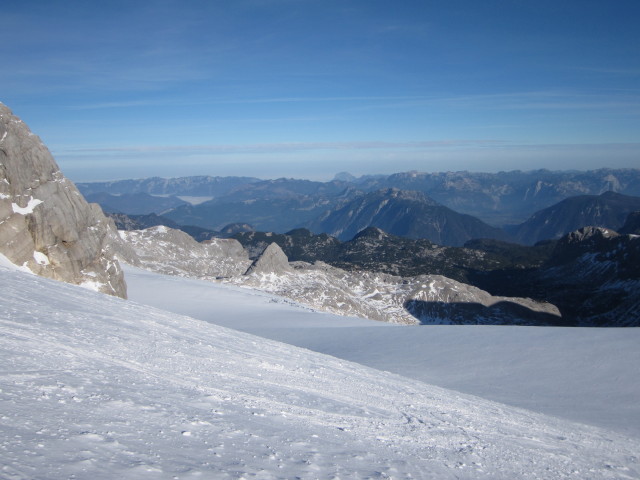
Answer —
272 260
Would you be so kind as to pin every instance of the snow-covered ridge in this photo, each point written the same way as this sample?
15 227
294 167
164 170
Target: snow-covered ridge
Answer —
96 387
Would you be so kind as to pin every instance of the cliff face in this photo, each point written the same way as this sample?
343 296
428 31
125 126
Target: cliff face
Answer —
45 223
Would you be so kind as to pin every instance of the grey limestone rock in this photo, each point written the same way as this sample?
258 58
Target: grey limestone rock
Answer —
425 299
272 260
46 225
173 252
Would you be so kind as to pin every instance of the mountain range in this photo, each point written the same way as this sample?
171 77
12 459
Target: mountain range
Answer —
342 208
502 198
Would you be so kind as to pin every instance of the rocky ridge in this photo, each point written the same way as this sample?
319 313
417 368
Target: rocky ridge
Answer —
173 252
426 299
607 210
592 275
374 250
45 223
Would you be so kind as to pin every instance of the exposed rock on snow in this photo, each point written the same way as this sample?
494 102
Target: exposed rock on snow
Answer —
45 224
376 296
425 299
272 260
442 300
173 252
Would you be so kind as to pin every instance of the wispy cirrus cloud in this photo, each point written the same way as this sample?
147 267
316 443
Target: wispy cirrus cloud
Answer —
276 147
527 100
164 101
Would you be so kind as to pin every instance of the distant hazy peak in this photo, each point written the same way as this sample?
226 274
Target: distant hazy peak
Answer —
344 177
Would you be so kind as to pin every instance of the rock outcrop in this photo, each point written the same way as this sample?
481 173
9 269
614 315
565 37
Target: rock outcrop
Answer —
425 299
173 252
272 260
46 225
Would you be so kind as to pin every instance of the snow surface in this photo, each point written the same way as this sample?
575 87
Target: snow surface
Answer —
33 203
41 258
588 375
94 387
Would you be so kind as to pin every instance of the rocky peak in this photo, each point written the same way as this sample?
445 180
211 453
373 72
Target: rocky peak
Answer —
589 233
272 260
373 233
344 177
407 195
585 240
46 225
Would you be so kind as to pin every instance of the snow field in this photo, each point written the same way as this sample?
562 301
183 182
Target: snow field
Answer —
587 375
96 387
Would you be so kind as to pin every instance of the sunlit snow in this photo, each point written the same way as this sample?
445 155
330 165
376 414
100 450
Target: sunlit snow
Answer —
96 387
33 203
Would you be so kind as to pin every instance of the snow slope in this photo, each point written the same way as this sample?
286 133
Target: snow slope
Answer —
586 375
96 387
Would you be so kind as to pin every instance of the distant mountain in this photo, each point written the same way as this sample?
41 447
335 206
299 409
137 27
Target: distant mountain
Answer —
503 198
235 228
287 188
404 213
273 205
509 197
198 186
608 210
134 203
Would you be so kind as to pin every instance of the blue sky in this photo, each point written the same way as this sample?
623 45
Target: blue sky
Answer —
306 88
